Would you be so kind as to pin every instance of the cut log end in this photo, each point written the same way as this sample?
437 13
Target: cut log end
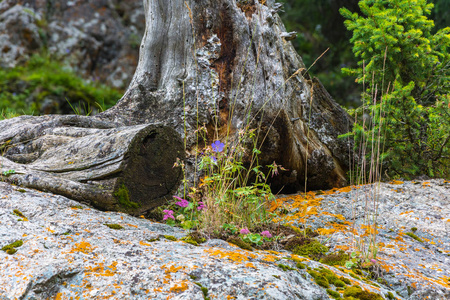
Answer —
149 177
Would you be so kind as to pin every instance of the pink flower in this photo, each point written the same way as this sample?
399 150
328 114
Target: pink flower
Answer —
244 231
182 202
168 214
266 234
201 206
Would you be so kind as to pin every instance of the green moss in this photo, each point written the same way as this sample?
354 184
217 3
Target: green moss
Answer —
335 259
204 291
334 294
153 240
413 229
319 278
414 237
310 249
193 277
21 190
170 237
123 197
358 293
339 283
114 226
76 207
301 266
188 239
285 267
19 213
240 243
345 280
11 248
390 296
354 275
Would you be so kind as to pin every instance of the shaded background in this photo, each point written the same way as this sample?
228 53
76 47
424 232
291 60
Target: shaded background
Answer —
79 56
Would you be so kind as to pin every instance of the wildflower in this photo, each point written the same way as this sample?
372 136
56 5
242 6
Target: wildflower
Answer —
266 234
214 160
168 214
218 146
373 261
182 202
181 218
244 231
201 206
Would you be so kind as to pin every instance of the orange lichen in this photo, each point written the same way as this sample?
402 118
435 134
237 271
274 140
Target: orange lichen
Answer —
178 288
83 247
396 182
142 243
250 265
231 255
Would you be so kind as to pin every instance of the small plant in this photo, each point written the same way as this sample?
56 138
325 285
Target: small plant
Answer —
114 226
8 172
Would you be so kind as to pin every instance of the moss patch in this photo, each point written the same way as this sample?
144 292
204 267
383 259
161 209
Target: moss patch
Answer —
414 237
285 267
11 248
114 226
335 259
170 237
358 293
240 243
19 213
309 248
334 294
123 197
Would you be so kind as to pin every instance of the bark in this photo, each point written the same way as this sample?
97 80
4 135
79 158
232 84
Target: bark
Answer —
224 64
128 168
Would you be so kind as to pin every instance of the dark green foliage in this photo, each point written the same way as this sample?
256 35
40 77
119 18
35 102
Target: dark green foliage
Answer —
390 296
24 89
407 67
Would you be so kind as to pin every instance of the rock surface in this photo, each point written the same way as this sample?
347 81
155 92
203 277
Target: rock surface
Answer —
68 251
99 39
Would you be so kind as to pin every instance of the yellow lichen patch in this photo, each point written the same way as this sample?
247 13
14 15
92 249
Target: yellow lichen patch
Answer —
396 182
142 243
131 225
171 269
338 216
50 230
425 184
83 246
274 205
250 265
180 287
406 212
235 256
269 258
369 230
101 270
297 258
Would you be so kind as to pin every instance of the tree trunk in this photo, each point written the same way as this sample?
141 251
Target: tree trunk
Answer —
224 64
221 62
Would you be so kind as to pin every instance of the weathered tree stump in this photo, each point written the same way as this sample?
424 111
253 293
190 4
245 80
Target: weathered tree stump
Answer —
225 64
127 168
